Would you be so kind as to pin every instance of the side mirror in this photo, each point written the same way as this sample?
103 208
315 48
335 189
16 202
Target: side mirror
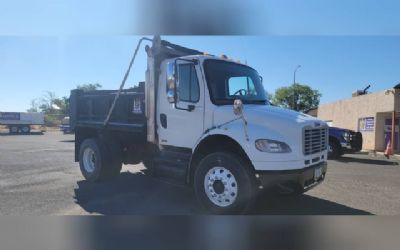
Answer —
171 82
171 96
238 107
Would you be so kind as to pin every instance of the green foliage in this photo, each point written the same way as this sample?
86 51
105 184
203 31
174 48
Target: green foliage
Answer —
52 120
56 108
269 96
89 86
298 97
34 106
63 104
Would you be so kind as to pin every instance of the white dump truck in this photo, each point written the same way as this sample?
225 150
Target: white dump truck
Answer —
203 120
21 122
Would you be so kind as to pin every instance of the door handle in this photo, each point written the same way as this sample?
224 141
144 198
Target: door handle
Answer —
163 120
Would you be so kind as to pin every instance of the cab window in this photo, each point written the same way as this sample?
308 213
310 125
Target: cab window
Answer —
188 89
241 85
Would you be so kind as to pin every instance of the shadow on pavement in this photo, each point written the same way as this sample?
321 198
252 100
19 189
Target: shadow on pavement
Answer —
67 141
133 193
302 205
138 193
347 159
31 133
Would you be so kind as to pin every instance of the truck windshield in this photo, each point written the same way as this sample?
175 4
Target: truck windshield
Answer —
228 81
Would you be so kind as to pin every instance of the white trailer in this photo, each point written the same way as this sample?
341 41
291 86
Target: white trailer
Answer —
20 122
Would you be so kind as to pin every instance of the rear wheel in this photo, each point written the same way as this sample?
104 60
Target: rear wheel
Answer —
13 129
26 129
224 183
94 159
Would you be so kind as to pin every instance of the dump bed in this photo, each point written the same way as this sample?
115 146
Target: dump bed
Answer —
89 109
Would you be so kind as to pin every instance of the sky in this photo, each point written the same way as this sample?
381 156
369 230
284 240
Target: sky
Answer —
341 46
334 65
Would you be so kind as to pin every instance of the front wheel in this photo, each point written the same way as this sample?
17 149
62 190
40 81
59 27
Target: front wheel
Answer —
93 156
334 150
224 183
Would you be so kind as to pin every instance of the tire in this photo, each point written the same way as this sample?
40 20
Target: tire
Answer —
334 150
13 129
93 160
26 129
356 142
231 187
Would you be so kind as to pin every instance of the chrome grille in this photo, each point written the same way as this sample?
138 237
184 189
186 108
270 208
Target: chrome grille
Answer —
314 140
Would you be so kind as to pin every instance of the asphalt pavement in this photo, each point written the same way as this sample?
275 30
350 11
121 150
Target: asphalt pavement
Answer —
38 176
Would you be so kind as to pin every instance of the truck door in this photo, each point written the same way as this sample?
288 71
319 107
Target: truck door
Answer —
181 124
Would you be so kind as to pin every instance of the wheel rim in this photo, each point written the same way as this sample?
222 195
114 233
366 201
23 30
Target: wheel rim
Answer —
330 149
89 160
14 129
221 186
25 129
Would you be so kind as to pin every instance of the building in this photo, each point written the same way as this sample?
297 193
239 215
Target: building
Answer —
371 114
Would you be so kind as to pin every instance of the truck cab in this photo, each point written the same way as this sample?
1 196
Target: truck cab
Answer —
206 121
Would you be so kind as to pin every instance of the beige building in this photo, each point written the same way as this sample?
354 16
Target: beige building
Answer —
371 114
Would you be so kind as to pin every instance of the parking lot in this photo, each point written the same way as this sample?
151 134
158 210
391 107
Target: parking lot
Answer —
39 177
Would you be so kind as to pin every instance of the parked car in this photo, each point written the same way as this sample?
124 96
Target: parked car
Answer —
65 127
343 141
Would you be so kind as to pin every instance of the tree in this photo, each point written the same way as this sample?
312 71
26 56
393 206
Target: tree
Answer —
62 104
56 108
34 106
269 96
298 97
89 86
47 101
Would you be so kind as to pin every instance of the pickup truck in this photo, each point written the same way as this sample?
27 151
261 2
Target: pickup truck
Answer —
65 127
204 121
20 122
343 141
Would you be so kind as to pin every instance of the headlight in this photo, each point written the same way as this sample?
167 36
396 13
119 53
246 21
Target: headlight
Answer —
346 136
272 146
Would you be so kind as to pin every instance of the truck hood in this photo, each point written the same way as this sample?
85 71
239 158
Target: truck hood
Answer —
267 115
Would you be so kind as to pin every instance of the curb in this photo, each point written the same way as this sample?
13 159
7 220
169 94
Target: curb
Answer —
381 154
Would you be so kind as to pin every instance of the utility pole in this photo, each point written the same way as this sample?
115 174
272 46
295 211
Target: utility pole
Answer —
294 85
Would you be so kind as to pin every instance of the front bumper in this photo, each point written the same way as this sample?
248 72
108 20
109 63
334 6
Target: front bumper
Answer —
346 145
303 178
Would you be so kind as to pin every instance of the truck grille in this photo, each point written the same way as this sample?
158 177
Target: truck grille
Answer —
315 140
